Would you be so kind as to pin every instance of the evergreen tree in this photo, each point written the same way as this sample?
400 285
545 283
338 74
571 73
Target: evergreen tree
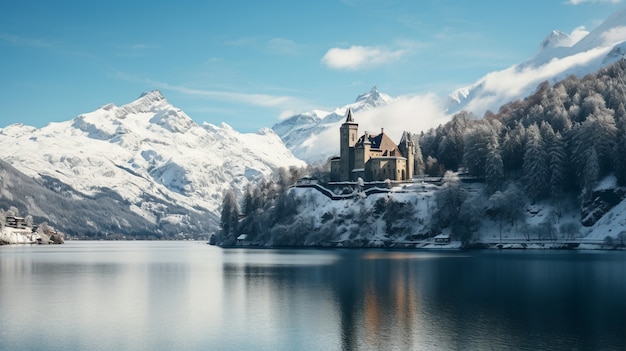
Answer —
449 200
477 142
229 217
536 171
600 133
494 168
513 148
248 201
592 171
557 160
619 153
451 146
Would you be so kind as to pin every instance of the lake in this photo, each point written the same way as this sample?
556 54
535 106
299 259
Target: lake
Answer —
192 296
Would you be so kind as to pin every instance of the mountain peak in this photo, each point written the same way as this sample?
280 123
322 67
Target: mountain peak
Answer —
555 39
373 94
154 94
152 101
373 98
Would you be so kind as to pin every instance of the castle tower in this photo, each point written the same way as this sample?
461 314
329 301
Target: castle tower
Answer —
407 148
347 138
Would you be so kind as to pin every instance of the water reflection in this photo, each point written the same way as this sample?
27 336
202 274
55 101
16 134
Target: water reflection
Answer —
424 301
164 296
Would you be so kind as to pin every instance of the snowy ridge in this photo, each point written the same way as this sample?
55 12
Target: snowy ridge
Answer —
151 154
559 56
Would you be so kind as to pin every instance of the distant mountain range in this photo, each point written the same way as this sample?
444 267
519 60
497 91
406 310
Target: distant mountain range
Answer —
314 136
149 158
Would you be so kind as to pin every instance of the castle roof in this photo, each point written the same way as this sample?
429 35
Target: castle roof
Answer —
349 118
381 142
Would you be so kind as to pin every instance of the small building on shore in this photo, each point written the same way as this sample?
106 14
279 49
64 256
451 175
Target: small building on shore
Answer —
442 239
15 222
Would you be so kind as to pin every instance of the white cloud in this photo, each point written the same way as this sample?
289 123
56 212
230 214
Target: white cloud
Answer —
577 34
359 57
500 87
578 2
412 113
614 35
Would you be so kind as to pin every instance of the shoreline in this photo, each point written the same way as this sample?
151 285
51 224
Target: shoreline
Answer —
453 246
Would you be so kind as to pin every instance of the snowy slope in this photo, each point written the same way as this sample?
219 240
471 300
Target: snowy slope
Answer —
559 56
161 163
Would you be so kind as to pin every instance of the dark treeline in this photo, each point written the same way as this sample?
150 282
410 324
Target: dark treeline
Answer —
563 138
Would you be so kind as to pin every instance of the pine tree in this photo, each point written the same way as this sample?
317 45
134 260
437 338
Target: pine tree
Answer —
536 170
619 153
451 146
494 168
477 142
250 202
513 148
557 159
592 171
597 132
229 217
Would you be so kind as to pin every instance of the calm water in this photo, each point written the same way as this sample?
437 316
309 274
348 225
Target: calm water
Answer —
191 296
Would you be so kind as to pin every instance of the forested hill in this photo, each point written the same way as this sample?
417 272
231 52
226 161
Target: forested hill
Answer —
550 167
563 138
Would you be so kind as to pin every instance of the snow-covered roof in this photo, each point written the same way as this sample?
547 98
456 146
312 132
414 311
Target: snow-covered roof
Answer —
242 237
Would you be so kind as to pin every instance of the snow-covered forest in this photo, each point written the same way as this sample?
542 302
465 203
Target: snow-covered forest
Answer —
565 137
561 150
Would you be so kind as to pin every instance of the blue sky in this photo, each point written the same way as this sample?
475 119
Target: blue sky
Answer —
250 63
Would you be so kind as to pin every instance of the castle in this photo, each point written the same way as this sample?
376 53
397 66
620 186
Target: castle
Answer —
371 157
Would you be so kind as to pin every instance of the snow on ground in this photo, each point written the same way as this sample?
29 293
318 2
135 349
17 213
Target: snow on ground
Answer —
18 236
611 224
609 182
544 225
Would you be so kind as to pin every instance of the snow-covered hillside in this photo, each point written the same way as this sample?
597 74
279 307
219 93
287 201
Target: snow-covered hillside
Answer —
149 155
412 216
559 56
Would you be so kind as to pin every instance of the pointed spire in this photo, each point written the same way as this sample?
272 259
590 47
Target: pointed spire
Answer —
407 139
349 118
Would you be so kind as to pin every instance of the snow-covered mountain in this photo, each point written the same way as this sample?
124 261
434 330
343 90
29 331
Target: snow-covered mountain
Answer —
559 56
149 156
314 136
